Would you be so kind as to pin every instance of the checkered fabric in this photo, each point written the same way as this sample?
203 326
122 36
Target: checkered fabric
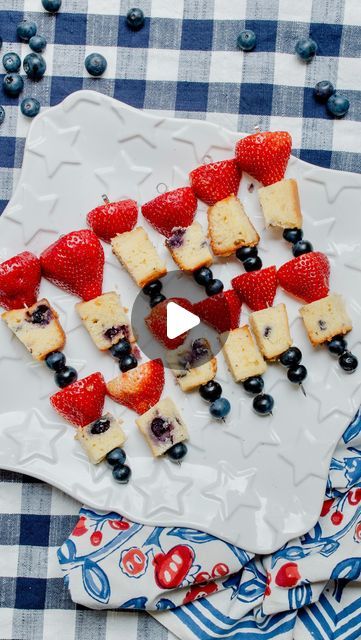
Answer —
183 62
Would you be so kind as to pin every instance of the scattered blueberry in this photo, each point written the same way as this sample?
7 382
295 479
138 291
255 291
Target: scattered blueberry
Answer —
116 456
95 64
213 287
51 5
121 473
246 40
297 373
254 384
210 391
220 408
177 452
291 357
306 49
202 276
34 66
243 253
55 361
323 90
121 349
11 62
2 115
337 345
30 107
153 288
301 247
135 19
348 362
100 426
128 362
26 30
65 377
156 300
293 235
13 84
37 43
253 264
338 105
263 404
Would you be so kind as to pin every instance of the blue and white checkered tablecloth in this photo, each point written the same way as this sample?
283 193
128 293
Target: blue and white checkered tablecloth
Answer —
183 62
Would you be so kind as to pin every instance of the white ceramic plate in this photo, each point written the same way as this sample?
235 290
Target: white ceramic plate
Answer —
256 482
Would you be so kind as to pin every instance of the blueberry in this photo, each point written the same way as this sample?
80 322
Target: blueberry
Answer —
177 452
323 90
301 247
95 64
13 84
348 362
213 287
26 30
121 349
153 288
37 43
11 62
116 456
291 357
263 404
121 473
253 264
100 426
293 235
55 361
202 276
297 373
338 105
2 115
135 19
243 253
65 376
30 107
34 66
254 384
156 300
337 345
128 362
210 391
306 49
246 40
220 408
51 5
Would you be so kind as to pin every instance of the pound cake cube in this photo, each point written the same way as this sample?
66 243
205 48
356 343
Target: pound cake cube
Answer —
135 251
100 437
280 204
37 327
229 227
242 355
189 247
271 329
162 426
326 318
192 365
105 320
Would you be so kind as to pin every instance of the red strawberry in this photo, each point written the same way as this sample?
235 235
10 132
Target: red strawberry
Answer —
19 281
112 218
172 209
306 277
75 263
265 155
139 389
221 311
215 181
157 322
81 402
257 288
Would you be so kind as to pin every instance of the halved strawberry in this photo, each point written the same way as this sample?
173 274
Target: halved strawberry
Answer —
175 208
257 288
216 181
307 276
81 402
221 311
139 389
156 322
19 281
75 263
265 155
113 217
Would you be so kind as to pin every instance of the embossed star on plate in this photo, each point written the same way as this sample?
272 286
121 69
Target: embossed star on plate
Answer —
34 214
60 141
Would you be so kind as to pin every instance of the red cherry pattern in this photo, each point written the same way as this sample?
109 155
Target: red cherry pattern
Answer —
354 497
80 527
120 525
288 575
267 591
133 562
326 507
200 591
219 570
357 534
202 577
337 518
96 538
171 568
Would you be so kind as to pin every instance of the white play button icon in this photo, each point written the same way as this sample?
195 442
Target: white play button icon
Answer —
179 320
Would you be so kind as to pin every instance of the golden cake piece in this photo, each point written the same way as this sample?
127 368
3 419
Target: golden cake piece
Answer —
242 355
271 329
280 203
326 318
189 247
192 365
229 227
105 320
135 251
100 437
37 327
162 426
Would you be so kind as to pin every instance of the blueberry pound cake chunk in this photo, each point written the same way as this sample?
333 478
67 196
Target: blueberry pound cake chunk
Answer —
136 253
162 426
192 365
189 248
280 204
271 330
100 437
326 318
229 227
105 320
37 327
242 355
